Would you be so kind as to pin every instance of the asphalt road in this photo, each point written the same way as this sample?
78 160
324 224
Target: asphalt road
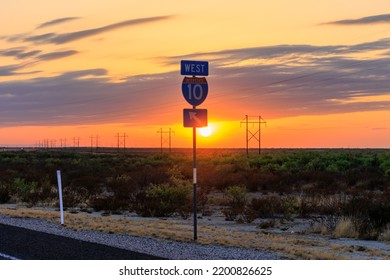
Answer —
27 244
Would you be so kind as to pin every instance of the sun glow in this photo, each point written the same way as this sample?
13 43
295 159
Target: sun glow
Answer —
205 131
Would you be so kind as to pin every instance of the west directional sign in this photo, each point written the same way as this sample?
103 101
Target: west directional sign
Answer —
194 90
194 68
195 117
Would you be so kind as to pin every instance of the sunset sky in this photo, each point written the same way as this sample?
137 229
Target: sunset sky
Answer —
318 71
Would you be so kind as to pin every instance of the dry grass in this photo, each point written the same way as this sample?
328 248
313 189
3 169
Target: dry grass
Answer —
385 236
345 228
287 246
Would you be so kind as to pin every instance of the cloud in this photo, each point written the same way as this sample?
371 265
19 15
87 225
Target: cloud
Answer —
276 81
288 80
39 38
10 70
385 18
19 53
84 73
57 55
54 38
13 70
226 57
56 21
83 97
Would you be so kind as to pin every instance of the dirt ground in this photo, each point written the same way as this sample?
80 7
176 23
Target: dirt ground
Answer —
293 239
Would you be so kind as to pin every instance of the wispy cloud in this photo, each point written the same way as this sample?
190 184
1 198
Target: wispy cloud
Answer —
279 51
19 53
56 21
54 38
39 38
57 55
14 69
9 70
384 18
22 53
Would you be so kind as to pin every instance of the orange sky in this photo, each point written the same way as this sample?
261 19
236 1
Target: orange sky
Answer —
317 72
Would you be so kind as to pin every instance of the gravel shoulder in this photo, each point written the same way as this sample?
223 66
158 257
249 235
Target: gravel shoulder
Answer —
218 239
154 246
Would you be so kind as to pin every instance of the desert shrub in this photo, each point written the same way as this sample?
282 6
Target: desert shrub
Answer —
369 215
236 201
123 190
266 206
47 191
104 201
326 223
222 176
203 200
33 192
163 200
345 227
272 206
328 205
290 206
267 224
305 206
166 199
26 191
74 196
114 194
385 235
5 193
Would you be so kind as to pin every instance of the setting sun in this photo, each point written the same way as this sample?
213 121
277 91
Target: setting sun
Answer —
205 131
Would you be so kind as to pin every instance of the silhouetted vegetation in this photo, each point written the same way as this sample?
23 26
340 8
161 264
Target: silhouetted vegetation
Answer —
277 184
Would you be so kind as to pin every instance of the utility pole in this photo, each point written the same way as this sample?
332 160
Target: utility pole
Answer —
254 132
117 136
76 142
124 142
91 143
63 143
165 139
97 142
53 143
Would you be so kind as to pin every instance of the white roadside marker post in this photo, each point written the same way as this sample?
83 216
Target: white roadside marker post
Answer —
60 195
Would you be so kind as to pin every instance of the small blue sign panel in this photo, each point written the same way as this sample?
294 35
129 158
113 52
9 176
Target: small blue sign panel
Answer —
195 117
194 68
194 90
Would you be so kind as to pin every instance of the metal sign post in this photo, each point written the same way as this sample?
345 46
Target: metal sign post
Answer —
195 184
195 91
